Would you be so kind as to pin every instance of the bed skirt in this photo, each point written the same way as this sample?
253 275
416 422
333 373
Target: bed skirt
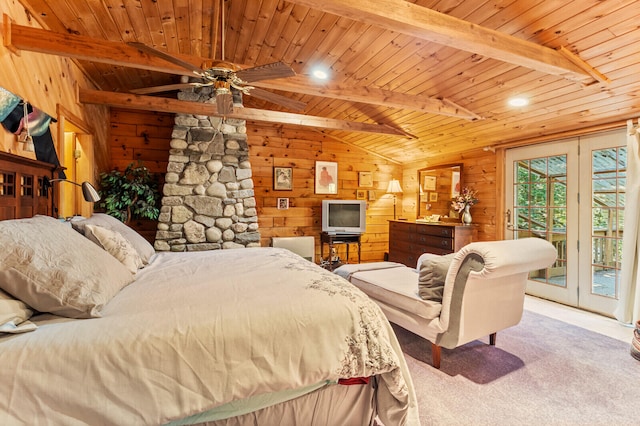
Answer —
330 405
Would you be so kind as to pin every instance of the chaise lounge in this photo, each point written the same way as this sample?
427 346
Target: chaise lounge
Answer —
454 299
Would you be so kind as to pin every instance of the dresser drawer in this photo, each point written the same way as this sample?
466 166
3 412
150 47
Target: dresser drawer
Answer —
438 231
443 243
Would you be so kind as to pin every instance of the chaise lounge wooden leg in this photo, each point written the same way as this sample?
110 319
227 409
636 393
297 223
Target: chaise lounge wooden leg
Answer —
435 355
492 339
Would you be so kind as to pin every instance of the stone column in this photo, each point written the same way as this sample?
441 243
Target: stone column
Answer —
208 199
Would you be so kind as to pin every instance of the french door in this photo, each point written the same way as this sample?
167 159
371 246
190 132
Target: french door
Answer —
571 193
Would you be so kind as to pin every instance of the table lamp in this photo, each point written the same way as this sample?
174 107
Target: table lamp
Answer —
394 188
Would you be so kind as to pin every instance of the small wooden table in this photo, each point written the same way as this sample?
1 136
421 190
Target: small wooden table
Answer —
333 239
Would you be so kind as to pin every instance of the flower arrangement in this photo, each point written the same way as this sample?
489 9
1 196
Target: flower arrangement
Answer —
466 198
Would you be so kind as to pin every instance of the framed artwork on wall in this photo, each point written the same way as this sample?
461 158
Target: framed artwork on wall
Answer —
433 197
372 195
429 183
283 178
283 203
326 177
365 179
455 184
361 194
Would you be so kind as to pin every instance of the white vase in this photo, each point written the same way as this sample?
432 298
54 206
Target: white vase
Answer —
466 216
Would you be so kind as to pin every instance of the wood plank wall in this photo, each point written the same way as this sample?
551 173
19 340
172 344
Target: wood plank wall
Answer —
274 146
139 135
49 83
479 172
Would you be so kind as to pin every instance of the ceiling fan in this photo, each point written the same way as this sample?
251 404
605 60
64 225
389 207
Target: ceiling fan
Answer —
225 76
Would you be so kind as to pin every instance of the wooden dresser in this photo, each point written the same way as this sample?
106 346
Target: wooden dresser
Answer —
408 240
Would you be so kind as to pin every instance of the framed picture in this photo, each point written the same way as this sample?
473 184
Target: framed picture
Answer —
372 195
429 183
326 177
455 184
283 178
365 179
433 197
283 203
361 194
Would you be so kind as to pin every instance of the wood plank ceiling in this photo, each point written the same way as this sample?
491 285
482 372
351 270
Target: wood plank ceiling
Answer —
384 70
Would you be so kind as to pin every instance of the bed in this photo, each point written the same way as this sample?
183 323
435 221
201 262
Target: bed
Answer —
106 331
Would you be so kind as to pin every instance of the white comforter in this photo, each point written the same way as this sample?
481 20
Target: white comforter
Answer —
197 330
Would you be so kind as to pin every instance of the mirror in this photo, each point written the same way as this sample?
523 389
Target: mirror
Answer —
437 185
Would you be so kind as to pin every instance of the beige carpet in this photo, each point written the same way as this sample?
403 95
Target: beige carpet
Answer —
541 372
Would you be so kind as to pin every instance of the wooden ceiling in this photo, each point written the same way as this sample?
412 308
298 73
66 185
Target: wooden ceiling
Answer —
440 84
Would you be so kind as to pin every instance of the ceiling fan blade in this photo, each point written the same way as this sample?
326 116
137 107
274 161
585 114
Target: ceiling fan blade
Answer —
224 103
165 88
169 58
277 99
266 72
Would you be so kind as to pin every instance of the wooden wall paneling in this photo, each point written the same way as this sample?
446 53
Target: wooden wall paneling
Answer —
288 147
140 136
48 81
479 172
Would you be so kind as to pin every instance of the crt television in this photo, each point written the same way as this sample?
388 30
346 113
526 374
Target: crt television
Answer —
344 216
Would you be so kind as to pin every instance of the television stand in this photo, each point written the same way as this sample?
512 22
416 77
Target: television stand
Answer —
333 239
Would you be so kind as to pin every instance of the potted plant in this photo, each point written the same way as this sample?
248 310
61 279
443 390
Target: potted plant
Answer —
131 194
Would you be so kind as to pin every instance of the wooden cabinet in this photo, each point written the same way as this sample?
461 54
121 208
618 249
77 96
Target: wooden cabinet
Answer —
408 240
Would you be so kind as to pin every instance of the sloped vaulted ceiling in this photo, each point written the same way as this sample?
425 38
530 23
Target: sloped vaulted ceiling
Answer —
438 73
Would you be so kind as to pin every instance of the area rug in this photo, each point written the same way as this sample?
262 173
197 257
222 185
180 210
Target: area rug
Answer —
541 372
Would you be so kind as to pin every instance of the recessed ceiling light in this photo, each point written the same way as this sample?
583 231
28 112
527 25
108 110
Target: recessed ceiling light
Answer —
320 74
518 101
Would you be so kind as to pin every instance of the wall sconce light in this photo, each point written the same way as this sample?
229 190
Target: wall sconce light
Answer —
89 193
394 188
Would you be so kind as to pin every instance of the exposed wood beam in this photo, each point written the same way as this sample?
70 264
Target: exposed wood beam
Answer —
153 103
19 37
427 24
368 95
370 152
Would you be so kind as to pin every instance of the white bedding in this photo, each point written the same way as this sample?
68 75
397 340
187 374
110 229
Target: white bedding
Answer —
197 330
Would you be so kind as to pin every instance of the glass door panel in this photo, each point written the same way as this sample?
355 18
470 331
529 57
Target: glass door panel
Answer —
574 197
606 159
537 193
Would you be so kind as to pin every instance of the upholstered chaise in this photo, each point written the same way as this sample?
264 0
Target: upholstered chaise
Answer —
483 292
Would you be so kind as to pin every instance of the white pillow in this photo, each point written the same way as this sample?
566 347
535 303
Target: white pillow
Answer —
116 245
14 315
52 268
143 247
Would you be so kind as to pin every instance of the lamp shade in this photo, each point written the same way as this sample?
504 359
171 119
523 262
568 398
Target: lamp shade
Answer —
394 187
89 193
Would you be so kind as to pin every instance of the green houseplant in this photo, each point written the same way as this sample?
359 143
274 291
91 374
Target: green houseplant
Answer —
131 194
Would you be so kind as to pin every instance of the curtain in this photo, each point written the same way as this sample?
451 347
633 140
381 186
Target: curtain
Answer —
628 309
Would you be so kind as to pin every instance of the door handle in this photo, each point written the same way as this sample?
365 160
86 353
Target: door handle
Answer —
509 224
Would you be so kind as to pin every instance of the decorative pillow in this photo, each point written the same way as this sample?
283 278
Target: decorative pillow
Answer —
14 315
52 268
116 245
143 247
433 273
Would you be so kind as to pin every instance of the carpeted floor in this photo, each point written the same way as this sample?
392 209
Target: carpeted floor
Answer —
541 372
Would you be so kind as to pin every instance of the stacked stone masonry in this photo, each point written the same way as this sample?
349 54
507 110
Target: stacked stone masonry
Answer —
208 198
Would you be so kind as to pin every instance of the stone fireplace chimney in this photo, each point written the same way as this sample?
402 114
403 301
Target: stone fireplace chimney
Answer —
208 200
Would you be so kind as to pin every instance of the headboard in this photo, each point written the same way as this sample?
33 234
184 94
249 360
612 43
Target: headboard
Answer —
23 192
